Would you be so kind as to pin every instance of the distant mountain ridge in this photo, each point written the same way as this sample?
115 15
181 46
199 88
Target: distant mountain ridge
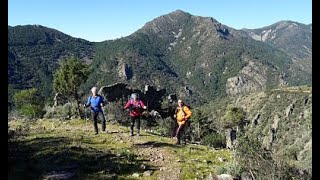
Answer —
288 35
198 58
293 38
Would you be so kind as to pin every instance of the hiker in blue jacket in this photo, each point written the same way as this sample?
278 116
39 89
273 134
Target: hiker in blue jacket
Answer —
96 103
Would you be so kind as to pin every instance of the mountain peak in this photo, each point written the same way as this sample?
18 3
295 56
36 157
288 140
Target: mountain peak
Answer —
179 12
173 20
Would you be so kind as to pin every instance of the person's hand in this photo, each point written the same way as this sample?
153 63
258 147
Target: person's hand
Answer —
144 107
145 113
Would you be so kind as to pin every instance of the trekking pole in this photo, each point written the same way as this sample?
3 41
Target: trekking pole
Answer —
128 115
123 114
103 107
85 115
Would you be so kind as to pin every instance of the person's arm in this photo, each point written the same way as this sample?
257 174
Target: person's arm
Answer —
142 105
101 101
187 111
88 102
175 113
127 105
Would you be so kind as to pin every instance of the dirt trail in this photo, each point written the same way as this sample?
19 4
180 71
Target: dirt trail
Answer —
164 162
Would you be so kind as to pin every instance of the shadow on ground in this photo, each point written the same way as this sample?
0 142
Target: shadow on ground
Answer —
35 158
155 144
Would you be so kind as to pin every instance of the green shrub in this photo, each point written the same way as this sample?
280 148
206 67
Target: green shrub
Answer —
214 140
28 103
166 126
65 111
114 112
31 110
234 116
292 153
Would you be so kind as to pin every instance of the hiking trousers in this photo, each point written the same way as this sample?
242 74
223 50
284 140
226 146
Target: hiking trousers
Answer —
94 118
182 134
135 119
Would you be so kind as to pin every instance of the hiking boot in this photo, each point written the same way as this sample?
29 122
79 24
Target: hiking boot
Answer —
184 142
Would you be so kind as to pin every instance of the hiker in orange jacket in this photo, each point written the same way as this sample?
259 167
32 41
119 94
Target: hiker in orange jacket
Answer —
182 115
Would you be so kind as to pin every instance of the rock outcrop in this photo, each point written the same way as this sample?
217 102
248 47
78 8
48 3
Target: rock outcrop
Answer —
251 78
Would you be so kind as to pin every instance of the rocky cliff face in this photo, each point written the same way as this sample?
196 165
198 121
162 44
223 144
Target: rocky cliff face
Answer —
251 78
282 120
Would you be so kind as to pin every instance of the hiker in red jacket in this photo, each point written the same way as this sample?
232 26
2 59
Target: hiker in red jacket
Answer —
135 106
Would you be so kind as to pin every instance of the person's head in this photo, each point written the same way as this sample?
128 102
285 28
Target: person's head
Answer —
180 102
134 96
94 91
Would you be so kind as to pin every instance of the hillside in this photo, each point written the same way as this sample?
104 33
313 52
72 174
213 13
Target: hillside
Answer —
34 53
195 57
279 120
51 148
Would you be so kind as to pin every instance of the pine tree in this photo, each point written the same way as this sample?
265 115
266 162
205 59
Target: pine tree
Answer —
69 77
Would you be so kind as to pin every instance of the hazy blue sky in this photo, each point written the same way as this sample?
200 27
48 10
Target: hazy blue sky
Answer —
99 20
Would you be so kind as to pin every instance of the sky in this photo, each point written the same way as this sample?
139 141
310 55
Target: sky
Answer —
100 20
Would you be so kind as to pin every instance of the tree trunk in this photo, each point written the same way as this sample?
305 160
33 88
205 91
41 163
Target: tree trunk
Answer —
78 107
